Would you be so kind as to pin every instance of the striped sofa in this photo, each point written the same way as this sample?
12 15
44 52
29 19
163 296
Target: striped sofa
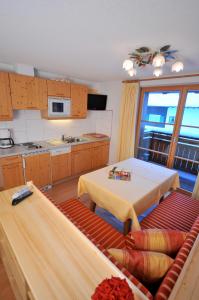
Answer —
177 211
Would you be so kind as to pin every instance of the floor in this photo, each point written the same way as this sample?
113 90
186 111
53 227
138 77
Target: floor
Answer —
60 193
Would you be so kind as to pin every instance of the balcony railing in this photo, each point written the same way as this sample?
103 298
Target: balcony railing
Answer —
187 152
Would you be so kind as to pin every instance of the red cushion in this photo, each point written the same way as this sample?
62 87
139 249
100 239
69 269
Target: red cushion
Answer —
178 211
160 240
147 266
173 274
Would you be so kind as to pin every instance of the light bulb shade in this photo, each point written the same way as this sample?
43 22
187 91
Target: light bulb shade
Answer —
158 60
127 64
132 72
157 72
177 66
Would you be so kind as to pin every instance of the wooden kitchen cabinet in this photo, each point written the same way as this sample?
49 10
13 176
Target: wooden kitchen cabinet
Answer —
61 166
28 92
40 93
79 100
100 155
38 169
11 172
88 156
81 161
58 88
6 113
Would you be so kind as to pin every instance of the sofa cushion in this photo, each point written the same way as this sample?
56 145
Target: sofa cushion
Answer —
171 277
147 266
160 240
177 211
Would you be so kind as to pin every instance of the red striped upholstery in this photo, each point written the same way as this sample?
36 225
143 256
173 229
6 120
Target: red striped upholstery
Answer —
177 211
93 225
174 272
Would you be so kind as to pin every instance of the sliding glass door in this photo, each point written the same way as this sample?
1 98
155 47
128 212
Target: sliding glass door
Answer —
186 158
168 130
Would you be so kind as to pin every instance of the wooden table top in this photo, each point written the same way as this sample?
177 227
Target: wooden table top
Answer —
57 260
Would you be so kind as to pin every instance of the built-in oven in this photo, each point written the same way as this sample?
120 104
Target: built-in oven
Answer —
59 107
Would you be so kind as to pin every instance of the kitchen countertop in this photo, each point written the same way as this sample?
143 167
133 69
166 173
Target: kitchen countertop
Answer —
46 146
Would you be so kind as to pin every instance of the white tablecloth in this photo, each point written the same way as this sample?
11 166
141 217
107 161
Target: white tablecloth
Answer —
127 199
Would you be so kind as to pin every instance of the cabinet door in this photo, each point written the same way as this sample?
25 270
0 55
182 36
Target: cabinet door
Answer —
105 154
32 169
41 93
12 175
37 169
21 86
81 161
28 92
61 166
44 172
5 98
31 98
97 157
100 156
58 88
79 100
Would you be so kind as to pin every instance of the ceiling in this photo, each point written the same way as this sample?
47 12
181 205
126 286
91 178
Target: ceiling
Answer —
89 39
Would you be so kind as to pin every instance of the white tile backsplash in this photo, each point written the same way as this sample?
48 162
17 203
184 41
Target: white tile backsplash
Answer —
29 126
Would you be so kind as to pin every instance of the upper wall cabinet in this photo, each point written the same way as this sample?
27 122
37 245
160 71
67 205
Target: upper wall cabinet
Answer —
79 100
28 92
5 98
58 88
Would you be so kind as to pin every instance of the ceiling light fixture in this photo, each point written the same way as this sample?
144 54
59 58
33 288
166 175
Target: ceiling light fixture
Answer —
132 72
157 71
177 66
158 60
144 56
127 64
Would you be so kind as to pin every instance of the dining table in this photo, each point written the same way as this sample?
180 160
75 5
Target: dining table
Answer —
126 200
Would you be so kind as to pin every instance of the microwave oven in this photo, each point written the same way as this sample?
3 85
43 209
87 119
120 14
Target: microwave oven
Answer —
59 107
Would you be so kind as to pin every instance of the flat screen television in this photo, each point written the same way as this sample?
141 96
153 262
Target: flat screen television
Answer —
96 102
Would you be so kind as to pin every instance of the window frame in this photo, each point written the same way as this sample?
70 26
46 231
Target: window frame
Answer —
183 91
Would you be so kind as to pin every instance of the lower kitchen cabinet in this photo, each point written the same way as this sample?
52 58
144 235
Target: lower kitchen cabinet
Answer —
46 169
86 157
81 161
100 155
38 169
11 172
61 166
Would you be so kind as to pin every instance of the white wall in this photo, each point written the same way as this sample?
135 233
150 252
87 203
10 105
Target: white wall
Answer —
29 126
113 90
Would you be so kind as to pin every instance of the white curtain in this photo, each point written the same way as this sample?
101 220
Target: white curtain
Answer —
127 126
195 194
